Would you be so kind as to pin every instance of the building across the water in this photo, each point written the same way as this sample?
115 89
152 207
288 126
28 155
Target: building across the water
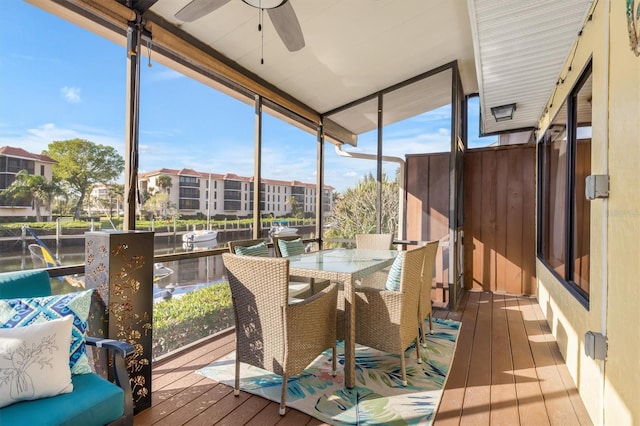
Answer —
12 161
228 194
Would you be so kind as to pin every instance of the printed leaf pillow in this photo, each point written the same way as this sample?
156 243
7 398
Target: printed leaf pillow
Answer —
34 361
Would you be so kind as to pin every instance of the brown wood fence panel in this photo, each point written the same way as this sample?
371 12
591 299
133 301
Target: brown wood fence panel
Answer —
428 208
499 226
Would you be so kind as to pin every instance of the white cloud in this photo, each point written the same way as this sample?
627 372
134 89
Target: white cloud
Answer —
165 74
37 139
71 94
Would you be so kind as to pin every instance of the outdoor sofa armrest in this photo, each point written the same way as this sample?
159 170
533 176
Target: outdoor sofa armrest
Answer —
120 350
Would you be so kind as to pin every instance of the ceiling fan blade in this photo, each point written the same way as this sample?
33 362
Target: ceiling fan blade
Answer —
286 23
198 8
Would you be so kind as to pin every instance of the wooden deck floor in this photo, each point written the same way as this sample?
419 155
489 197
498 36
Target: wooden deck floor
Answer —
507 370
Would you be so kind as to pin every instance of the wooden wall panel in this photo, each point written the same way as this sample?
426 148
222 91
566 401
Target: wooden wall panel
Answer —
528 221
428 209
499 214
472 246
500 219
514 222
487 213
503 182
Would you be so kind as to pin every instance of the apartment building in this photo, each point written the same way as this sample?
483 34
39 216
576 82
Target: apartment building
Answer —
196 192
12 161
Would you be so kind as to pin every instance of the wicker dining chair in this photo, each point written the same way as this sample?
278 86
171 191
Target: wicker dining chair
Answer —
272 334
424 306
287 245
374 241
297 287
385 319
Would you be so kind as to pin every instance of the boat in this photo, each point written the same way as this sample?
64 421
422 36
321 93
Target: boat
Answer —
200 245
198 236
160 271
281 230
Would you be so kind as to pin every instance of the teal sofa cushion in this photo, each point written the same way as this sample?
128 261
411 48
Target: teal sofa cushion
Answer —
34 283
94 401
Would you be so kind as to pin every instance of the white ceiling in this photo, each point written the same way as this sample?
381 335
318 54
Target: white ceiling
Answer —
509 51
353 47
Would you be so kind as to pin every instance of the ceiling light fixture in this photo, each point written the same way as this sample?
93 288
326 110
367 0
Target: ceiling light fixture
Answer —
264 4
503 112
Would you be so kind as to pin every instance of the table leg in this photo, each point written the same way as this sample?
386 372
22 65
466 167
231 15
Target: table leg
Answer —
350 334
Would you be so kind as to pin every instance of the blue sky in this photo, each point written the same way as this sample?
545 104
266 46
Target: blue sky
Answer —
59 81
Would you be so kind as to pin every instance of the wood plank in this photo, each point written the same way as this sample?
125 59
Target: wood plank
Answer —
504 406
474 246
170 383
556 398
245 412
531 406
182 395
529 222
502 197
477 396
415 186
452 399
168 365
488 221
204 403
563 371
269 415
217 409
513 243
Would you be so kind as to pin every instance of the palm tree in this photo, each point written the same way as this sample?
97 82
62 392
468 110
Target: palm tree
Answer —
164 182
31 186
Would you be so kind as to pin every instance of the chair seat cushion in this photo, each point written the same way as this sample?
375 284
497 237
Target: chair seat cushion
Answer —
94 401
296 288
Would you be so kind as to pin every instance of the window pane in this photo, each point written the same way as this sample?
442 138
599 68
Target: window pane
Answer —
582 212
555 193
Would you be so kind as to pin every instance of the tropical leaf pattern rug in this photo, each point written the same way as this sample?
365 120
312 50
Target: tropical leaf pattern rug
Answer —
377 398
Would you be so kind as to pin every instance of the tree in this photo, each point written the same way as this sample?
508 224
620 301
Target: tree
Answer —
159 205
116 193
82 164
35 187
354 212
296 209
164 182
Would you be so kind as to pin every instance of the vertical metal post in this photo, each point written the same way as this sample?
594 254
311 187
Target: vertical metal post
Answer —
379 167
320 183
134 36
257 167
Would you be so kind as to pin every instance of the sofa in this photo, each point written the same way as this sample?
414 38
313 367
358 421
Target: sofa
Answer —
26 302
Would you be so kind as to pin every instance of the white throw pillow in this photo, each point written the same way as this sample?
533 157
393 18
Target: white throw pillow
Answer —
34 361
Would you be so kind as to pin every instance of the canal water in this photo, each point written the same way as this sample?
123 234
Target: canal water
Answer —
187 275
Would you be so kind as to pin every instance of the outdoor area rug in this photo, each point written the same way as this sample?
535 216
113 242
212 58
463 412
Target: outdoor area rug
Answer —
377 398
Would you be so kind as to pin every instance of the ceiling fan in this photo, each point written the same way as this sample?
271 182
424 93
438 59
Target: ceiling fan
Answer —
281 13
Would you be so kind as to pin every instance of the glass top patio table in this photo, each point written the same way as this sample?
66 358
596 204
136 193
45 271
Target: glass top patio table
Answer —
345 266
343 261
